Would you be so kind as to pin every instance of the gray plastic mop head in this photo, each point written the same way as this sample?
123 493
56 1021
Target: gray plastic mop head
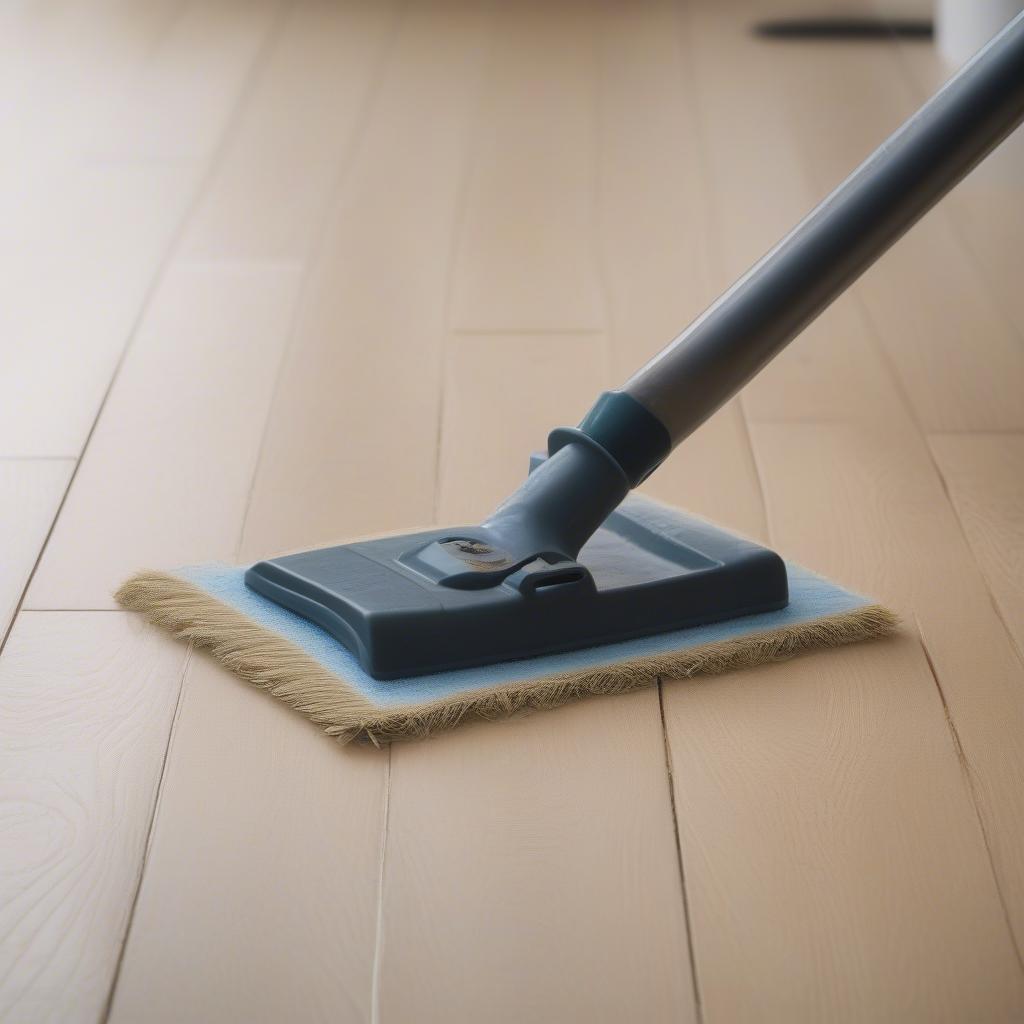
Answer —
455 598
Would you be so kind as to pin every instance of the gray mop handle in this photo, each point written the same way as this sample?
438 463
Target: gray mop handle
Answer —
753 321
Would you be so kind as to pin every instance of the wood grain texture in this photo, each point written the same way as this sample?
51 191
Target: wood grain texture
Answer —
531 872
897 559
86 701
526 255
801 849
822 815
927 299
191 84
266 826
565 372
855 505
990 220
506 895
984 474
95 241
508 892
657 249
259 897
427 233
166 478
91 222
30 494
986 208
65 67
351 444
293 135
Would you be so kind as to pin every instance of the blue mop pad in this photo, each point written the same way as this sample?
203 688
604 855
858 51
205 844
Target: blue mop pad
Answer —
301 664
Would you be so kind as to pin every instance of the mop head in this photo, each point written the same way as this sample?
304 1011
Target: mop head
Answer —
302 665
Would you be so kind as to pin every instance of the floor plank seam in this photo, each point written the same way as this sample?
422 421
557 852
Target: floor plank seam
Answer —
19 605
917 96
762 491
698 1004
876 339
968 774
996 301
987 432
528 331
970 547
38 458
76 611
154 283
150 830
315 247
378 944
924 435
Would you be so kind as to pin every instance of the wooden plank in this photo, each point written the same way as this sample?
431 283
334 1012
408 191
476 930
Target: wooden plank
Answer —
989 214
261 895
927 295
951 619
30 494
92 226
269 189
77 263
86 701
526 257
191 84
655 236
64 67
810 795
822 814
479 375
883 525
351 444
832 373
754 216
987 207
542 884
984 474
531 872
166 478
828 107
657 248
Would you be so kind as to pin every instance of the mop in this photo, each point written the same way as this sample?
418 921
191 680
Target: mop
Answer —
573 586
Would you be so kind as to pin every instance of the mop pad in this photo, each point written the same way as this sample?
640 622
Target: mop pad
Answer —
302 665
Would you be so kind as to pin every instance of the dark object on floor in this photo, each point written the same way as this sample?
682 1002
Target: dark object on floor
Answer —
841 28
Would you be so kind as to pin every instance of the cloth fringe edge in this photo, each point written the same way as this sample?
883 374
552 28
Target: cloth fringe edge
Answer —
272 663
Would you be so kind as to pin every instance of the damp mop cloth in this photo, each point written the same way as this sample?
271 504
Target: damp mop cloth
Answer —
302 665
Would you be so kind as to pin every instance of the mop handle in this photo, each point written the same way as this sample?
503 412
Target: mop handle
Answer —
753 321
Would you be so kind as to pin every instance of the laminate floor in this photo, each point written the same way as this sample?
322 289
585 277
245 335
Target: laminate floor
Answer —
274 273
